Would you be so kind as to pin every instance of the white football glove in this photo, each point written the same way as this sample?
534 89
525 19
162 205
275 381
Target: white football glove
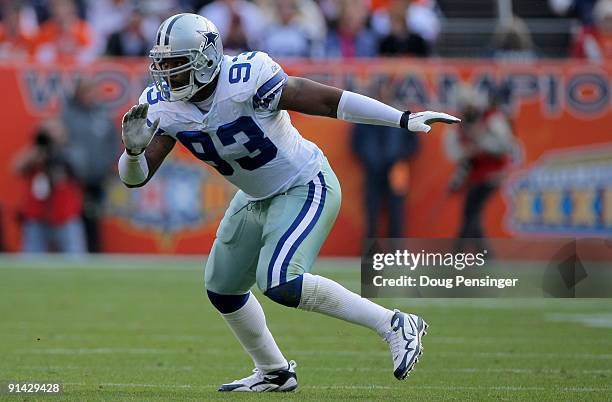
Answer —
135 133
421 121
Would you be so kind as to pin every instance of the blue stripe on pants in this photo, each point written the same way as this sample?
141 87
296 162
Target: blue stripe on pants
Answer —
296 245
294 225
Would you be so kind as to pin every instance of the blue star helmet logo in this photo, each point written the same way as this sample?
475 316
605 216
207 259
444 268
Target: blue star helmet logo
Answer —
210 38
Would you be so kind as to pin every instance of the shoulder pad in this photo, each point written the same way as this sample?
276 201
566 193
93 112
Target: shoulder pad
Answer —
252 75
174 116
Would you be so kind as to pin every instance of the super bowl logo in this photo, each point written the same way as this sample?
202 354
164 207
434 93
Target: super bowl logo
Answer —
181 196
568 194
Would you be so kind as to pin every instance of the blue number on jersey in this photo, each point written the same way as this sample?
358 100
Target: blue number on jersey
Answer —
249 57
241 70
236 72
158 96
201 145
257 142
150 98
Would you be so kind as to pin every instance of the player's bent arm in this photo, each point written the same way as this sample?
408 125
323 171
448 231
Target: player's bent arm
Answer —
306 96
137 170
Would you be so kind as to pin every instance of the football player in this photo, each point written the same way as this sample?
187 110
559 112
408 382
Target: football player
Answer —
231 113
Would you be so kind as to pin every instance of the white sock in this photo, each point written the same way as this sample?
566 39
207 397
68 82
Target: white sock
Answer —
249 325
330 298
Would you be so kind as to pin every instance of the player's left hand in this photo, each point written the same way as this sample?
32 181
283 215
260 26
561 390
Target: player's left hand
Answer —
421 121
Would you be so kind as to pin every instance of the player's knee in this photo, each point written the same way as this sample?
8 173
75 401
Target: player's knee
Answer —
227 303
288 294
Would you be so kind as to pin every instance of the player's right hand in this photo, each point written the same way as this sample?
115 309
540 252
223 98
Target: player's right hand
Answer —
135 133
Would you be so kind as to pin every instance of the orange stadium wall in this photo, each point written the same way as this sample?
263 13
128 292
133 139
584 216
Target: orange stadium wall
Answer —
560 186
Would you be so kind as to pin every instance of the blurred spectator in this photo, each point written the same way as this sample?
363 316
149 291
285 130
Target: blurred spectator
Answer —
50 214
191 6
512 42
17 29
286 38
121 24
298 28
423 19
330 10
107 17
162 9
352 37
603 22
130 40
384 153
42 8
93 149
420 16
242 24
65 36
152 14
595 42
579 9
481 147
400 40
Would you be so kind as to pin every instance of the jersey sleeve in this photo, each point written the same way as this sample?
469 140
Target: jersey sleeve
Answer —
271 80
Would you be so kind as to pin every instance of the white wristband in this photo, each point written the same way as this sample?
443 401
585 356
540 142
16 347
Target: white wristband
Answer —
133 169
358 108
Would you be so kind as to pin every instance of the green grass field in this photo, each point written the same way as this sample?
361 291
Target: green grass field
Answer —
138 330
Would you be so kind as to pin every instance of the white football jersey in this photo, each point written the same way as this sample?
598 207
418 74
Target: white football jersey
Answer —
243 135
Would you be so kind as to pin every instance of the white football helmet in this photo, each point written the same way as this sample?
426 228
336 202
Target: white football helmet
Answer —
191 36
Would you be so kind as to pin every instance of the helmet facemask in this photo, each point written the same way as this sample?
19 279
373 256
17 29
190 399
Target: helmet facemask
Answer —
197 65
194 39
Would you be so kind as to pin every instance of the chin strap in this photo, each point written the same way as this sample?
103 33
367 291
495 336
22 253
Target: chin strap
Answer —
202 86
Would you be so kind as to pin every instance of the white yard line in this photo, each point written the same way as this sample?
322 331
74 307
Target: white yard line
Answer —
111 261
593 320
463 370
101 351
137 385
135 333
438 354
357 387
464 388
130 262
